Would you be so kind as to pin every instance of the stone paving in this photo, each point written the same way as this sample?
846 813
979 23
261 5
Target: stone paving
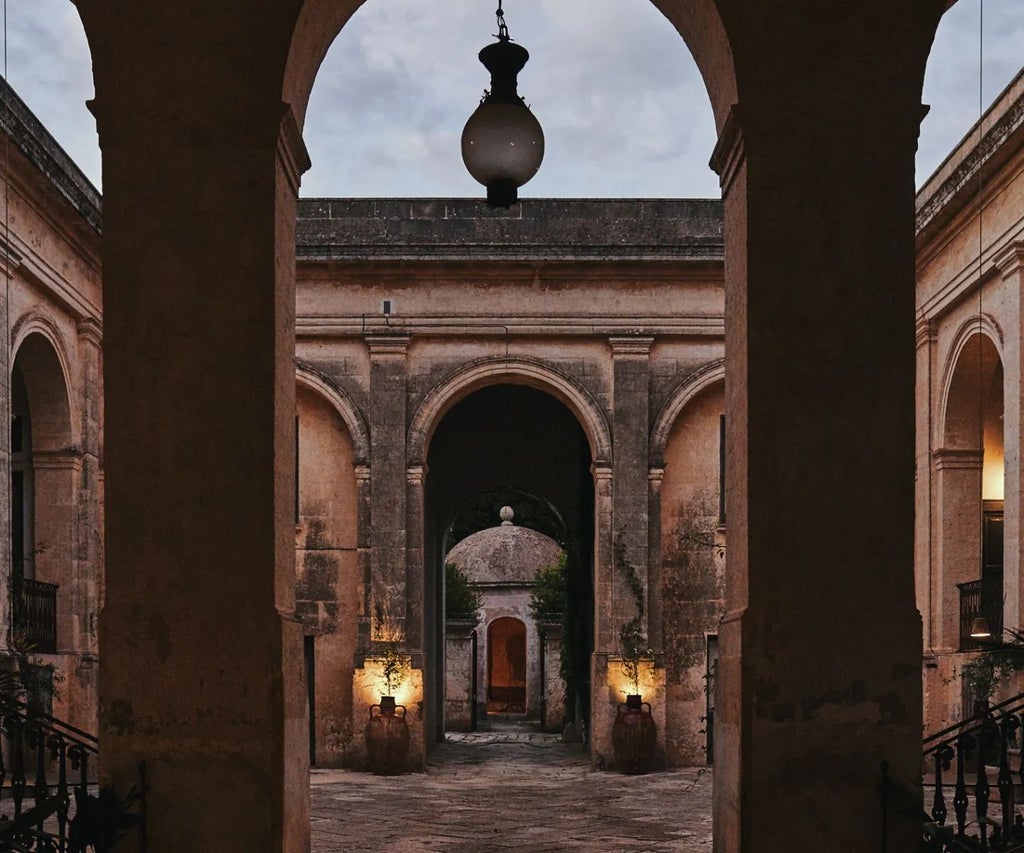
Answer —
511 790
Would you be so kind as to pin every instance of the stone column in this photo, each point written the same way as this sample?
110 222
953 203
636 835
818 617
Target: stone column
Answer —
458 675
202 674
958 537
9 263
88 562
387 476
820 667
655 627
1010 264
56 472
363 552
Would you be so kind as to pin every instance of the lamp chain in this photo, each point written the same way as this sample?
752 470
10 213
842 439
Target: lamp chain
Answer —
502 28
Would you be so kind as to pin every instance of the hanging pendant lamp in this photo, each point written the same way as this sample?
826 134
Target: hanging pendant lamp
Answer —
502 143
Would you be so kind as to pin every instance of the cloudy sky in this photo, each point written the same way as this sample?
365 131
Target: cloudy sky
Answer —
624 111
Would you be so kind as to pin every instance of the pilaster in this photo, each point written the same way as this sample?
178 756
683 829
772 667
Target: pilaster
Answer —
630 436
1010 264
388 532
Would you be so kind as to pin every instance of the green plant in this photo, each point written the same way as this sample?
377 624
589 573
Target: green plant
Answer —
548 596
461 601
984 673
389 638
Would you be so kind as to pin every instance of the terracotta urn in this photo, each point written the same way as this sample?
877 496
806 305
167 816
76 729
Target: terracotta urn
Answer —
634 736
387 738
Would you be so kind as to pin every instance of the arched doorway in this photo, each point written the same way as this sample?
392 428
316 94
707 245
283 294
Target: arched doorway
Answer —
496 441
506 666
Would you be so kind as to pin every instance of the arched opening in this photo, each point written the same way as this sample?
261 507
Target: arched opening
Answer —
506 442
970 478
44 465
512 569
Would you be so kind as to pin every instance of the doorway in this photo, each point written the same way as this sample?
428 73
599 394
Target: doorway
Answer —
506 666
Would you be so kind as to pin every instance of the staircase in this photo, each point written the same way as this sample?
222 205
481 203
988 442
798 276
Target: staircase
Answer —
46 768
977 779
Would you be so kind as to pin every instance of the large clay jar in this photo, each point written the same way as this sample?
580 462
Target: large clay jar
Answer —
634 736
387 737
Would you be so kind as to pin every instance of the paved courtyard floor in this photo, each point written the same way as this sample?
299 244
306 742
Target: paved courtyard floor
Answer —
511 789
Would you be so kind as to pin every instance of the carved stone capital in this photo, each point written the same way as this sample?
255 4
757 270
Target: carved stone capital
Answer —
632 346
728 155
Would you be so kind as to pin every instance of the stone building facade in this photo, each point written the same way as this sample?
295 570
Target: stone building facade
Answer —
51 437
970 246
571 349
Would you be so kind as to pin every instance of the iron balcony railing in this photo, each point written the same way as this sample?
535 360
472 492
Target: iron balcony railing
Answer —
35 614
980 598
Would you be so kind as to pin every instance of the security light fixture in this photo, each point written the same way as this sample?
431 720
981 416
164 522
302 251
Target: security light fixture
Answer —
502 143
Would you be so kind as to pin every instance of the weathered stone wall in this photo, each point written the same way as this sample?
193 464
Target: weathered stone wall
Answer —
693 571
328 586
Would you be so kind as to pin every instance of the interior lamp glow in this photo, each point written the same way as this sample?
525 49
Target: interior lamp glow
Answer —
502 143
979 628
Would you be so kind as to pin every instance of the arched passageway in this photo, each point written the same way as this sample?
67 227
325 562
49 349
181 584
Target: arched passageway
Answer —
201 168
498 441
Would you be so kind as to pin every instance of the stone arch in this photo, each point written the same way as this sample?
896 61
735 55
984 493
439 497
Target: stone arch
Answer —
703 377
515 371
957 395
697 22
37 339
343 405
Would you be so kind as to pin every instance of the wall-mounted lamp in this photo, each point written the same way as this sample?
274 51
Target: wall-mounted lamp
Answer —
502 143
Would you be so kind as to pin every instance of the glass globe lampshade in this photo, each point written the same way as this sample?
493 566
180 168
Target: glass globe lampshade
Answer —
503 143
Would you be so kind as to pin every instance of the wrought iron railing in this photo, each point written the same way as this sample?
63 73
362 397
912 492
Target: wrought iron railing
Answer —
980 598
46 770
968 812
35 613
44 761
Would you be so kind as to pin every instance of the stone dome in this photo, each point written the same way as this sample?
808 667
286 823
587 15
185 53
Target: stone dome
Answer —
507 553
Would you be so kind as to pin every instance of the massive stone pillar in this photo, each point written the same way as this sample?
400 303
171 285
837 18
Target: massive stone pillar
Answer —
820 668
202 670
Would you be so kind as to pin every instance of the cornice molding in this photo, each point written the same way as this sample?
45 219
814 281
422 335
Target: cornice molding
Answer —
964 176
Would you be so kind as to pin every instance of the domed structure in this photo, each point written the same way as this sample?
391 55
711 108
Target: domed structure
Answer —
501 563
504 554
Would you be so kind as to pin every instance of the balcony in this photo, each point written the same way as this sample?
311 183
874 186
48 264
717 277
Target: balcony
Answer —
35 614
980 598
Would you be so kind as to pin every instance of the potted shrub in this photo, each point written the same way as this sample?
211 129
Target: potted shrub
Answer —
387 732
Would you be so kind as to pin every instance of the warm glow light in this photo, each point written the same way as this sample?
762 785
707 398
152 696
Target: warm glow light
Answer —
992 475
648 681
370 686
